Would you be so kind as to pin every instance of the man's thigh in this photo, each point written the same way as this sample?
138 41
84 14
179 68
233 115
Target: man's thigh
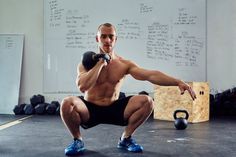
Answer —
80 107
134 104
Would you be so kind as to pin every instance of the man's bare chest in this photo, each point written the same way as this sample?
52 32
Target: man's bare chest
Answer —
112 73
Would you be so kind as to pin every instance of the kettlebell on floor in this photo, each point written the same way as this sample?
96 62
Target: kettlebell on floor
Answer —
181 123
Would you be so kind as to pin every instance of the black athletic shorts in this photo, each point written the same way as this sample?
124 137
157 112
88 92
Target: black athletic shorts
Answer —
113 114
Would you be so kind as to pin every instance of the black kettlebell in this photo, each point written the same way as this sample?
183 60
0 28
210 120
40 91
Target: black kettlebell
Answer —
180 122
90 59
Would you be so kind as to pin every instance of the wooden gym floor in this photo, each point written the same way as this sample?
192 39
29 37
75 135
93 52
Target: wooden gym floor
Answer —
46 136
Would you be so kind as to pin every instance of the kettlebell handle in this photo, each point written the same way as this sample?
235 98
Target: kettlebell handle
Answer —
181 111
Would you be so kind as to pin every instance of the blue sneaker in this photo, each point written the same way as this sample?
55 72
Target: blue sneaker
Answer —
75 148
130 145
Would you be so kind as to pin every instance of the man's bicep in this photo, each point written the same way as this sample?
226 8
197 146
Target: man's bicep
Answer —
81 69
137 72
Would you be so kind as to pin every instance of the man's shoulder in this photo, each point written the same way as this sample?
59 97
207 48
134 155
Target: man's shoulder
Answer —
122 59
125 61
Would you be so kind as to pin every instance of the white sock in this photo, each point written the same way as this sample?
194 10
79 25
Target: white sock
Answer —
124 136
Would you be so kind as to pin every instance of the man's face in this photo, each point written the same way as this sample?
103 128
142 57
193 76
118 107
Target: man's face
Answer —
106 39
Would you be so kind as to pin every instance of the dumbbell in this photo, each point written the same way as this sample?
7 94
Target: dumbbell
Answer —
41 108
90 59
143 93
37 99
52 107
122 95
58 110
29 109
19 109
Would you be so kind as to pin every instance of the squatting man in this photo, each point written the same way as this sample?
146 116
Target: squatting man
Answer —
101 87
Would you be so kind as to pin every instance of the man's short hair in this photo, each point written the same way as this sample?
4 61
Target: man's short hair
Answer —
106 25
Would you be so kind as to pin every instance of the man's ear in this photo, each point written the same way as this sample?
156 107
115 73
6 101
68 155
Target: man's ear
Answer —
96 38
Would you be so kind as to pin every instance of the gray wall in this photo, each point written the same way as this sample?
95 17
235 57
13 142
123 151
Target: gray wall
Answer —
221 44
26 17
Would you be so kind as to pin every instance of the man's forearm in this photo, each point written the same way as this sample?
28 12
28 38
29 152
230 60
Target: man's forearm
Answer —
89 79
160 78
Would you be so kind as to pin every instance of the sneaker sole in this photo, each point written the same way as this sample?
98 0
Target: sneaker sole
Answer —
81 151
125 148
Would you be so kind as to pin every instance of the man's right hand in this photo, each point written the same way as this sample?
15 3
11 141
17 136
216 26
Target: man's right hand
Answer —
90 59
184 86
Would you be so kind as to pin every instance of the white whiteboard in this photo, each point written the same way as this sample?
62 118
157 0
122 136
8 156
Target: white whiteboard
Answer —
11 51
167 35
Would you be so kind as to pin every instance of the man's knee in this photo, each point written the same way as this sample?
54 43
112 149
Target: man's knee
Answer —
149 104
66 104
144 101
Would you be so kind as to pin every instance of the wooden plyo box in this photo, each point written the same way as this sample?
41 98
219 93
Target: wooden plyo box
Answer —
167 99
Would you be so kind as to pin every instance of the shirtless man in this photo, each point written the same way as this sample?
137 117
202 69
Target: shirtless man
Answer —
101 87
